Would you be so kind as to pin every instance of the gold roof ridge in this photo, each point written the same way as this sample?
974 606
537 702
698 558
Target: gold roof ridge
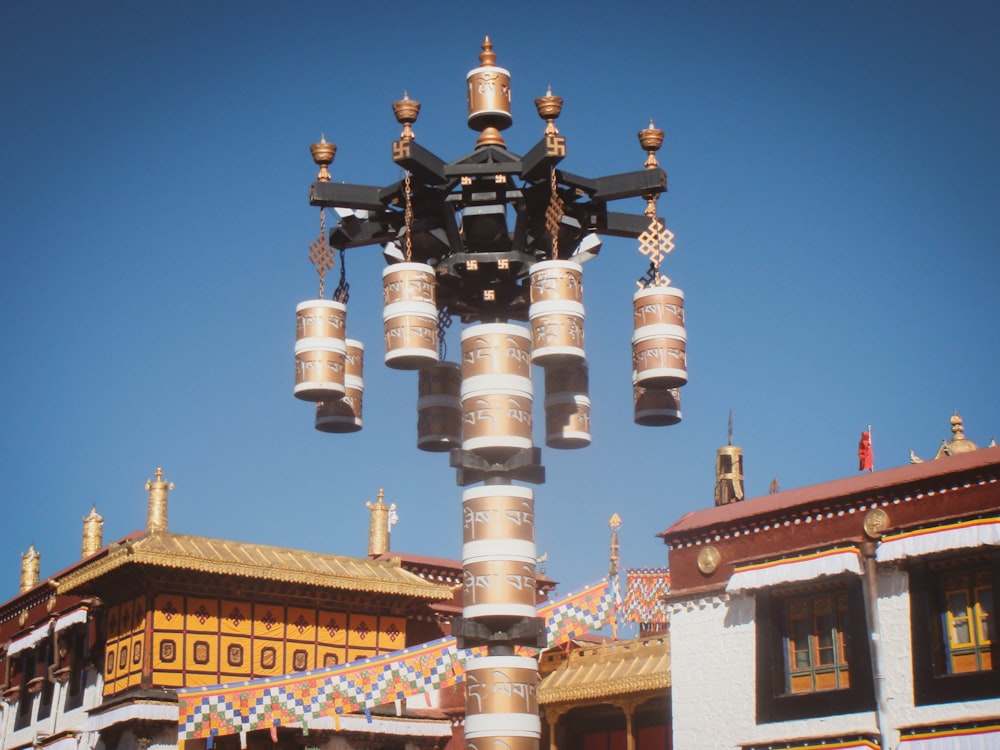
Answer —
258 561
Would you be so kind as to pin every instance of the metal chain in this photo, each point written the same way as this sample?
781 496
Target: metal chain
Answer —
343 291
554 213
408 218
443 324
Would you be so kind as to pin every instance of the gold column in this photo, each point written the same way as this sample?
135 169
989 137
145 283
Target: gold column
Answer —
156 519
93 533
380 525
30 564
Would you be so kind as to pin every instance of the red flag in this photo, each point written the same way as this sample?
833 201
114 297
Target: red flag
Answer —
866 457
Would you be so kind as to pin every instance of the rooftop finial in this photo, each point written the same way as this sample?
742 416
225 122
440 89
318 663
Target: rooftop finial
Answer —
93 533
156 517
489 98
30 564
383 518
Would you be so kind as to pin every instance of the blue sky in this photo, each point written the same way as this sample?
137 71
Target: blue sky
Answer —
833 189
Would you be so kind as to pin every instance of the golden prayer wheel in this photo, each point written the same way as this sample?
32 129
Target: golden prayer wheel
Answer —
343 414
409 316
320 325
498 522
408 282
319 369
657 407
503 741
410 335
556 280
496 421
501 697
439 407
659 356
354 359
320 318
556 332
498 588
496 349
658 305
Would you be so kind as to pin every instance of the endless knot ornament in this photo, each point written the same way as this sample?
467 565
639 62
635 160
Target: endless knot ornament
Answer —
554 214
322 256
652 278
656 242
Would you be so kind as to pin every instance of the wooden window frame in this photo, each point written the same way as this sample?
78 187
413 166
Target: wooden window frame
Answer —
775 699
934 681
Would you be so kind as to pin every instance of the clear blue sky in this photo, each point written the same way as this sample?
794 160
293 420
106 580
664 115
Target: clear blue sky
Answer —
833 188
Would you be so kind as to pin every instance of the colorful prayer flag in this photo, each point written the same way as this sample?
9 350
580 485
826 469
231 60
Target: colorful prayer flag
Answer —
866 457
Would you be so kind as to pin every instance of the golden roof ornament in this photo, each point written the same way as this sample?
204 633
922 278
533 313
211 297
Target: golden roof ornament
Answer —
30 565
549 108
383 518
488 89
323 154
959 443
406 110
156 518
651 139
93 533
729 471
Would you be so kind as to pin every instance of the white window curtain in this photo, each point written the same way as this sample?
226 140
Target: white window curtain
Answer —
795 569
965 535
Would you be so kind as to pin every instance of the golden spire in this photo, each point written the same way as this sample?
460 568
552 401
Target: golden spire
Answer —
489 98
30 564
383 518
93 533
406 110
156 518
959 443
323 154
729 471
614 523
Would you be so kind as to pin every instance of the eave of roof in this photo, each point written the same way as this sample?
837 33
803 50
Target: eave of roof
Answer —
984 460
611 669
255 561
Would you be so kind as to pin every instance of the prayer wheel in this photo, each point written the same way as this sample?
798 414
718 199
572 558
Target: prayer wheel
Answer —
498 588
659 356
439 407
343 414
498 514
409 316
496 390
659 341
501 699
556 332
556 280
319 349
354 359
657 407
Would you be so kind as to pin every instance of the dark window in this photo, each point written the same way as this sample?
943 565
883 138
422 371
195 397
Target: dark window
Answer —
953 620
77 675
812 652
25 698
46 657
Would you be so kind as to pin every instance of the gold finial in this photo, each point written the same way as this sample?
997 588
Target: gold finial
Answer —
488 88
549 108
651 139
323 154
30 564
156 518
93 533
729 471
614 524
406 111
487 56
383 518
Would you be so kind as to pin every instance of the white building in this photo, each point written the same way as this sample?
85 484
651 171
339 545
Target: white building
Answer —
858 613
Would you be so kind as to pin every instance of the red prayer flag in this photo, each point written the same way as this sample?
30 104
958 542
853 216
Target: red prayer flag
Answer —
866 457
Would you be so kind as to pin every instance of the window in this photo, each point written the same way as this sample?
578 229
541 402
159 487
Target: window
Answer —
812 652
815 647
953 620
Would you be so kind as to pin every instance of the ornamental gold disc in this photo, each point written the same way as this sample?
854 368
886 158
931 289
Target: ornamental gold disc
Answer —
708 560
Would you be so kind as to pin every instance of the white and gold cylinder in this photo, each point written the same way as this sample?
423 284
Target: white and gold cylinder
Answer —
501 698
567 406
343 414
319 349
409 316
659 341
496 390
